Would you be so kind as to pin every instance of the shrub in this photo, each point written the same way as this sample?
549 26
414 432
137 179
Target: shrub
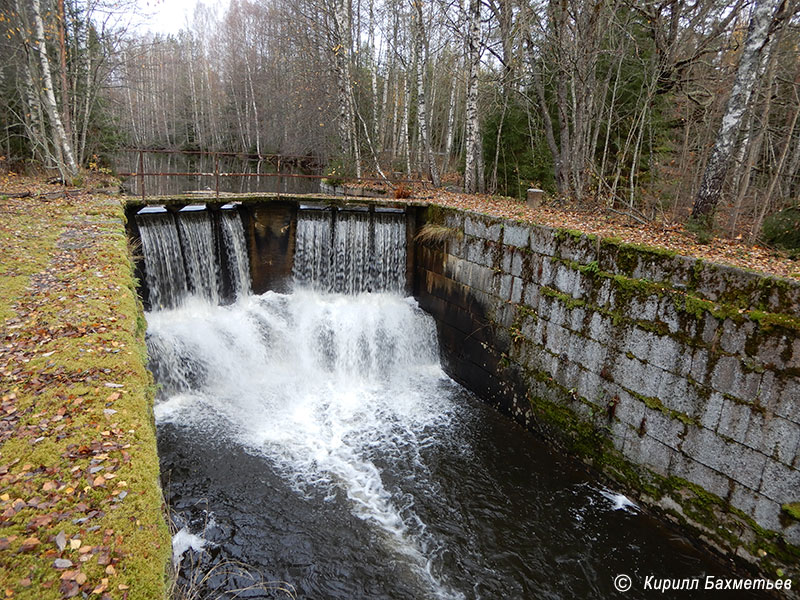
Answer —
782 229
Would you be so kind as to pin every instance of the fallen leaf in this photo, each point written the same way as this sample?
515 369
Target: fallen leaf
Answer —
29 544
62 563
102 587
69 589
61 541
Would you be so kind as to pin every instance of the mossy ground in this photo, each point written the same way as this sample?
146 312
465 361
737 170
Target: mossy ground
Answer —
79 475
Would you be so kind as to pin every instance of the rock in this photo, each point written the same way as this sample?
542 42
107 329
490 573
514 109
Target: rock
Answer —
62 563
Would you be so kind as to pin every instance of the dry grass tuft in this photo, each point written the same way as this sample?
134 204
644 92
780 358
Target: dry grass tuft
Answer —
433 233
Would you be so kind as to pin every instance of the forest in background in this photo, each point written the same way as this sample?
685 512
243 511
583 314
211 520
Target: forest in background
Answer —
640 106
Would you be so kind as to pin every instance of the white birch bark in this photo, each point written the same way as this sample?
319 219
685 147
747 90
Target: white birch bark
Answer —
255 106
717 166
346 114
472 141
422 113
34 120
87 106
68 166
373 72
381 140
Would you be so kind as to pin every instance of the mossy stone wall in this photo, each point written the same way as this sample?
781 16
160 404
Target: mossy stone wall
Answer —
678 378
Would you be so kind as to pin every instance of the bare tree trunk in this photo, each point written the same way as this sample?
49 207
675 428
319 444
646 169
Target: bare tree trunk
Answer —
754 147
255 106
480 164
68 166
422 113
356 148
88 101
374 72
717 167
381 140
404 132
472 136
548 128
342 57
497 144
34 121
775 177
343 93
371 148
791 174
604 161
451 121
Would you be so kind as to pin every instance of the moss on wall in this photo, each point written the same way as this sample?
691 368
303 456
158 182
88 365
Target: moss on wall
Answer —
724 316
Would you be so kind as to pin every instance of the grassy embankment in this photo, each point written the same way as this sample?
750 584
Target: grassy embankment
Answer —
80 504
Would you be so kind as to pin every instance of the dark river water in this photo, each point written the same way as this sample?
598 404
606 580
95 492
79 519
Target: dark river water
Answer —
312 447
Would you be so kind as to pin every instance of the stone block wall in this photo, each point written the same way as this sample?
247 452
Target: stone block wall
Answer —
678 378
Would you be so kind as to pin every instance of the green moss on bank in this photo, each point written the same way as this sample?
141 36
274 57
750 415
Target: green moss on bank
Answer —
79 454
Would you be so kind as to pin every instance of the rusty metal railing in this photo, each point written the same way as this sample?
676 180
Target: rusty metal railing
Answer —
276 159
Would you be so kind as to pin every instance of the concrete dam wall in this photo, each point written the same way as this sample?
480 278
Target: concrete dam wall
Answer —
676 378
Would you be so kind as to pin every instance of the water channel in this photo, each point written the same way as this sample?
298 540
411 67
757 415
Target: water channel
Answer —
311 443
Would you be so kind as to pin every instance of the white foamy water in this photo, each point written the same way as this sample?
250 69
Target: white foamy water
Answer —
199 253
350 252
319 384
236 247
183 541
619 501
181 257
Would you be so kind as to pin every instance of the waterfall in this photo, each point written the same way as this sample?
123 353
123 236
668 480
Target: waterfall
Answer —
314 438
323 386
199 253
312 254
182 255
351 252
163 259
390 252
236 249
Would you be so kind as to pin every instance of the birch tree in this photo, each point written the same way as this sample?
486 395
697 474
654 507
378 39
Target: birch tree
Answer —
63 145
708 196
422 112
472 138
